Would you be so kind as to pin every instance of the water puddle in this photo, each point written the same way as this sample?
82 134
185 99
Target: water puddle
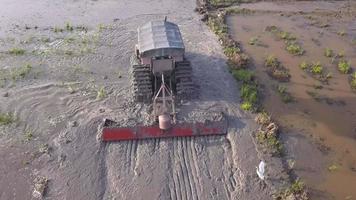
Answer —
324 112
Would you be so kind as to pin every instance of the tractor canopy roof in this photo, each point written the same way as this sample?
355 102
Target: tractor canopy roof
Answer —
161 34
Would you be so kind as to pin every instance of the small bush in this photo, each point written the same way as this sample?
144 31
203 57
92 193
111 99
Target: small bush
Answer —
344 67
242 75
316 68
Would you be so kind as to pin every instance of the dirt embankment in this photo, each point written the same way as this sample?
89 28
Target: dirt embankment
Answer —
65 68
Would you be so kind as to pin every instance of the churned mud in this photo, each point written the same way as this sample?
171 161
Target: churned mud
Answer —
64 66
319 114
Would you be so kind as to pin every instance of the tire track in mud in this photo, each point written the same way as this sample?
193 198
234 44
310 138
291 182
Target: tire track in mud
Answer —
184 172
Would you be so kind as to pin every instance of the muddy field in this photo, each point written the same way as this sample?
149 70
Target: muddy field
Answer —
317 109
64 66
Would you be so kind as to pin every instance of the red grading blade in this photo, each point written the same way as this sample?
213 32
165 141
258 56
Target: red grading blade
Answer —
111 133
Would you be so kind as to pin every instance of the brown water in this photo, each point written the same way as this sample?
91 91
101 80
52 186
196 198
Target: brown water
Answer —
330 124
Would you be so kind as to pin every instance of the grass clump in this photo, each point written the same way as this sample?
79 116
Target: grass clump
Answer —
28 135
243 75
328 52
344 67
231 51
294 48
341 32
69 27
316 68
284 94
101 93
253 41
17 51
218 26
223 3
271 61
57 29
333 167
276 70
6 119
296 190
353 81
249 95
21 72
304 65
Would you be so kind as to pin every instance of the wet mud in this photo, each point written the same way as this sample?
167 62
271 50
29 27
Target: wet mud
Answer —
65 66
319 122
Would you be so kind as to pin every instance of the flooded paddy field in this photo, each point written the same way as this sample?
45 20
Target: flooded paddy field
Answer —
316 43
64 66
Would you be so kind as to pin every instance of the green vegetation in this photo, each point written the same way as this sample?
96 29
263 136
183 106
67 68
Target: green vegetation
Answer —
271 61
253 41
286 36
304 65
217 26
284 94
295 191
243 75
6 119
28 135
333 168
341 54
341 32
246 106
223 3
21 72
57 29
271 141
344 67
328 52
276 70
101 93
294 48
16 51
316 68
249 95
353 81
231 51
69 27
43 148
